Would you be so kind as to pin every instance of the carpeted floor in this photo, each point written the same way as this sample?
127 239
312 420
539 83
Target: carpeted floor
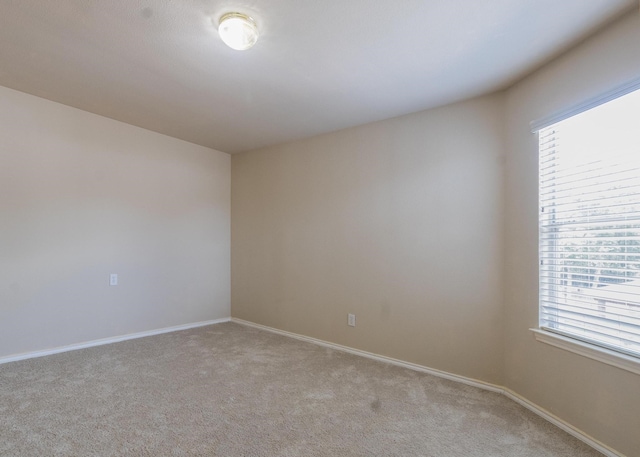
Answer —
228 390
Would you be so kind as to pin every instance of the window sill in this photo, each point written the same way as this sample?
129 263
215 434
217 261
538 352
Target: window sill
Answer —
616 359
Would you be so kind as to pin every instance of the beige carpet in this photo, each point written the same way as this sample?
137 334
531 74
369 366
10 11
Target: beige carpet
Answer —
229 390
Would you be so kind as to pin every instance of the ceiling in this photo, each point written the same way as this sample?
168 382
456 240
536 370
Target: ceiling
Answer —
319 65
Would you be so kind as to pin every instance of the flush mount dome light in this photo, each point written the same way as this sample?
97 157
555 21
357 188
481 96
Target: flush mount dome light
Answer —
238 31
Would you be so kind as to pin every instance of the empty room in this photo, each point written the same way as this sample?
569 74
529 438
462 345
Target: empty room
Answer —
320 228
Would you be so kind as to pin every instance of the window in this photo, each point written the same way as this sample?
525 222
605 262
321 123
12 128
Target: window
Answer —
589 226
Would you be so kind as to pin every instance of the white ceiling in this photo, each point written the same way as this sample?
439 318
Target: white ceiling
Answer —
319 65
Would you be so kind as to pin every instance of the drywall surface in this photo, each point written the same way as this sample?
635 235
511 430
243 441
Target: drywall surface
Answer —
83 196
398 222
601 400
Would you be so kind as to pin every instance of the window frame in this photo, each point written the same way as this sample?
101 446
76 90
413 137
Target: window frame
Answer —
602 354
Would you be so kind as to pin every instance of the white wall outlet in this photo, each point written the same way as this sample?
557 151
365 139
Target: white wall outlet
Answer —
113 279
351 320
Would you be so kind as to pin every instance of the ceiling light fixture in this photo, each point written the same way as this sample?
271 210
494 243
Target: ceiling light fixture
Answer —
238 31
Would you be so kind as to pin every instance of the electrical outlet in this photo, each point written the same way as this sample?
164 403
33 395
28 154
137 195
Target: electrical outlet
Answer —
113 279
351 320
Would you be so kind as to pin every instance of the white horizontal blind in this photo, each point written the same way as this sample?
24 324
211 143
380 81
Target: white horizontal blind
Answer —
589 225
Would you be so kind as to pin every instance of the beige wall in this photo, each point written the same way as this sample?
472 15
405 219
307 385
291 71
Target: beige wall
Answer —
82 196
417 226
599 399
398 222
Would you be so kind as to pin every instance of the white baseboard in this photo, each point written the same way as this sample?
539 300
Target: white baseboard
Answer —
370 355
570 429
114 339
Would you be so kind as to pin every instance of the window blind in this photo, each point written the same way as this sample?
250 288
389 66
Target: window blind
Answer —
589 226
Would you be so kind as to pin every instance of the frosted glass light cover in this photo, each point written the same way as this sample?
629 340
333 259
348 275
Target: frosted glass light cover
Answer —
238 31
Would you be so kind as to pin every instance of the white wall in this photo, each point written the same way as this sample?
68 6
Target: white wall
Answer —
399 222
83 196
599 399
